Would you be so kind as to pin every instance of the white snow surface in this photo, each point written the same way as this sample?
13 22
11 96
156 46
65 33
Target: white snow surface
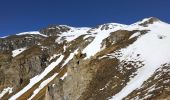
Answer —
54 56
32 33
72 34
135 35
28 33
153 50
37 78
42 85
18 51
99 36
6 90
4 37
64 76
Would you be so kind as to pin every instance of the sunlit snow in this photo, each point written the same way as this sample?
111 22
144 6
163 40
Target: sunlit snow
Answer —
32 33
18 51
153 50
6 90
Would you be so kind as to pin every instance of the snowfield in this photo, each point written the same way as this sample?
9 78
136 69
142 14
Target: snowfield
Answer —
95 45
153 48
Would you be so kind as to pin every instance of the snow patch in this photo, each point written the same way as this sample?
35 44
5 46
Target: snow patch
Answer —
54 56
135 35
64 76
72 34
32 33
65 47
153 52
42 85
95 45
3 37
70 57
18 51
6 90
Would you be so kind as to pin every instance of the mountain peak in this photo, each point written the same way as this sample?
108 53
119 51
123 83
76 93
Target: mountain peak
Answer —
147 21
133 61
152 19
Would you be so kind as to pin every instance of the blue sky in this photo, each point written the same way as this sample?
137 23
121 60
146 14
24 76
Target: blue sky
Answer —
30 15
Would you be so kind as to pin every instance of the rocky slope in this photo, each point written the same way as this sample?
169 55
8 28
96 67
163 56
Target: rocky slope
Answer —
109 62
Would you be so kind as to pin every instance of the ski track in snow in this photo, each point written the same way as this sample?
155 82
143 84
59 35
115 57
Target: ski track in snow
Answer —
37 78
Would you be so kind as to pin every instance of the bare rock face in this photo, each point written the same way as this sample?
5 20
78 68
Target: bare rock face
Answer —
55 90
78 77
14 42
150 21
116 37
17 71
54 30
21 70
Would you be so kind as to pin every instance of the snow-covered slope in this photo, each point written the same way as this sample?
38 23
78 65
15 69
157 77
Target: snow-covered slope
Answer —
153 49
144 45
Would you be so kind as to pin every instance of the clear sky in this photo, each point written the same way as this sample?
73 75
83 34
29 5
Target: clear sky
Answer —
30 15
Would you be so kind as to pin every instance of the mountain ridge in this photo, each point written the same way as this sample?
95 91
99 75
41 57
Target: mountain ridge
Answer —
111 61
57 26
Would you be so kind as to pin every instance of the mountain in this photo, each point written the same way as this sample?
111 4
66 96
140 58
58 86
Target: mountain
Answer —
108 62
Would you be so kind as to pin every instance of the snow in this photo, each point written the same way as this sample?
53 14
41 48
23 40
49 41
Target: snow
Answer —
54 56
97 33
42 85
141 22
95 45
135 35
167 81
6 90
3 37
37 78
153 51
64 76
70 57
72 34
153 48
64 47
32 33
18 51
146 97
